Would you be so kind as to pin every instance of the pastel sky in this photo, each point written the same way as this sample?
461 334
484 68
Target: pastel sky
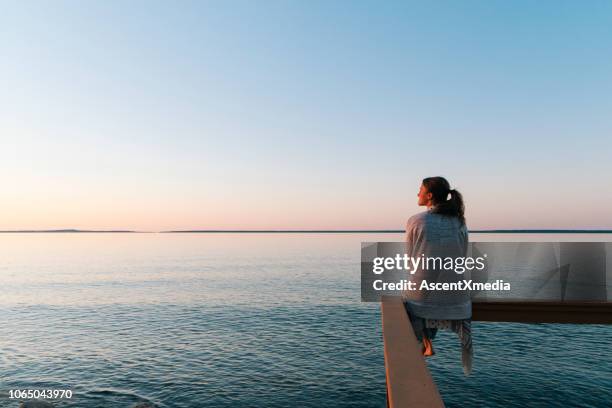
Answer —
303 114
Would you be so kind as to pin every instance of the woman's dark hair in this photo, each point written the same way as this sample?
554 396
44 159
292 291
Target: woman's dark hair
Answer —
440 189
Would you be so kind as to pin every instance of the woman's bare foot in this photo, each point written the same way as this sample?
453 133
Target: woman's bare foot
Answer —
428 347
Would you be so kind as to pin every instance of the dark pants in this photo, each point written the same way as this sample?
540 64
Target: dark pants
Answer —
418 325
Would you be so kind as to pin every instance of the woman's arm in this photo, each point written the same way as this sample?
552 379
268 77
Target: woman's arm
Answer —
411 237
465 238
414 231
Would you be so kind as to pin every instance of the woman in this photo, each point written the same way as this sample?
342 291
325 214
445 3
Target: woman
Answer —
439 232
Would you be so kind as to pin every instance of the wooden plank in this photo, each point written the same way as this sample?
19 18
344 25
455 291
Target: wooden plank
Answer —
409 383
543 312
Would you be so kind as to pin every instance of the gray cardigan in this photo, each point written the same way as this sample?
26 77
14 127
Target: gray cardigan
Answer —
434 235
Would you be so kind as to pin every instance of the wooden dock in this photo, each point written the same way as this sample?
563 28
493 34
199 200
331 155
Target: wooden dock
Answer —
409 383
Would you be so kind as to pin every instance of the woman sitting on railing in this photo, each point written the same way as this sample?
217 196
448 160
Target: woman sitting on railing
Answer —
439 232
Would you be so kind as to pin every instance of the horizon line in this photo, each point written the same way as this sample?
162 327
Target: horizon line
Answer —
307 231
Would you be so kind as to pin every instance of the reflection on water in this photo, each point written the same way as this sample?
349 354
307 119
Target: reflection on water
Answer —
213 320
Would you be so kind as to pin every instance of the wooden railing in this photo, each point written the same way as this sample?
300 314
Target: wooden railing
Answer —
409 383
543 312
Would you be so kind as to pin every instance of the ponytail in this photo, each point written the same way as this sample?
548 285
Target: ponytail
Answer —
454 206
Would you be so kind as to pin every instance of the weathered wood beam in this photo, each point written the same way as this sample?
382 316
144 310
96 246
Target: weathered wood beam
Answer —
409 383
543 312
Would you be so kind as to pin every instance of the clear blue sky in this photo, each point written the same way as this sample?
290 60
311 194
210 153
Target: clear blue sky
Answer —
286 114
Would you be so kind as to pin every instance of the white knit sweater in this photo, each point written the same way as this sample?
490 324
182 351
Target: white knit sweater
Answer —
435 235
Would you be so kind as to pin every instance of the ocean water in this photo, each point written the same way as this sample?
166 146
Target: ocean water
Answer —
251 320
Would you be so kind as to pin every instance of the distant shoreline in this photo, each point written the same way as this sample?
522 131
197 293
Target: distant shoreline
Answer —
66 231
497 231
494 231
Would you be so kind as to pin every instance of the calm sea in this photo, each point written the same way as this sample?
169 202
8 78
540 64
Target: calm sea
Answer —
251 320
